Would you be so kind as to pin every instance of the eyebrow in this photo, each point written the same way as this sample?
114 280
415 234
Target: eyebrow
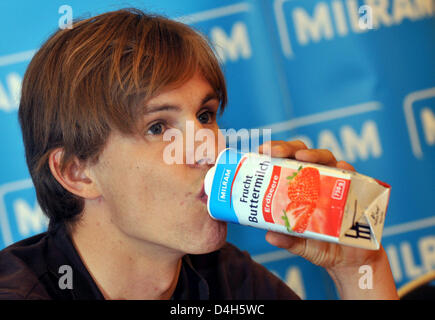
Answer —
169 107
164 107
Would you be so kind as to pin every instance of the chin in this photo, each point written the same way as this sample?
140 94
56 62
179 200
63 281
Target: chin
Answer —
214 240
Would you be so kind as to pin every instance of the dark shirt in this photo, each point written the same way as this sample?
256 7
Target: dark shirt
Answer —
29 269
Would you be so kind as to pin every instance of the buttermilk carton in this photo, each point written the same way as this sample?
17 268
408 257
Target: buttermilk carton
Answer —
297 198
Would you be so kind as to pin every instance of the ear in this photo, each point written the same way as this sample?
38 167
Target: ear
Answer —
75 178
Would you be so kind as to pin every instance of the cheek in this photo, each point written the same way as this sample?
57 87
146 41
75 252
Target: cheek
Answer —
135 185
124 185
184 198
156 190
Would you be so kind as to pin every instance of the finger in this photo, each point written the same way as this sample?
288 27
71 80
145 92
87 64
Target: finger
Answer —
322 156
344 165
293 244
282 149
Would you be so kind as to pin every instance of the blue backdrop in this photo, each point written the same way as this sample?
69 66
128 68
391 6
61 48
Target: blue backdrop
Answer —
307 69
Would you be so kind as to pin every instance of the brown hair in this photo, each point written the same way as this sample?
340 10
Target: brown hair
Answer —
88 80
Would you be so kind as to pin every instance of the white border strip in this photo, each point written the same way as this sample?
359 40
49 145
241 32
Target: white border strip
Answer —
324 116
4 222
409 226
16 57
410 119
188 19
273 256
282 28
214 13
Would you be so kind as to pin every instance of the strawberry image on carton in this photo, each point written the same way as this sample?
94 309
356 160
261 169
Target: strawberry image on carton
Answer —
298 198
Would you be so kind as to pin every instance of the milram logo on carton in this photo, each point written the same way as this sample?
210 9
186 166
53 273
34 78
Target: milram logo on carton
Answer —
223 186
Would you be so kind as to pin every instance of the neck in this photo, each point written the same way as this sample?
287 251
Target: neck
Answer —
125 267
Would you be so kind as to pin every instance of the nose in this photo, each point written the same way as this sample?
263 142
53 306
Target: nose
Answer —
203 163
201 144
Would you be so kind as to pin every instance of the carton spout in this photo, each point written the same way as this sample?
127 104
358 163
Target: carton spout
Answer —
208 180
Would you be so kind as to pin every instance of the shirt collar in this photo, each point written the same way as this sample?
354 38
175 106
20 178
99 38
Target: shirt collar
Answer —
191 284
84 287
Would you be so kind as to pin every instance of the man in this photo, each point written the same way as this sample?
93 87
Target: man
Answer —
96 101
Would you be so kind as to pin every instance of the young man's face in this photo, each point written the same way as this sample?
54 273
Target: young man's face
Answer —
152 201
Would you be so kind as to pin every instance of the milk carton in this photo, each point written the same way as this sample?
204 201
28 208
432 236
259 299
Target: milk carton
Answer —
297 198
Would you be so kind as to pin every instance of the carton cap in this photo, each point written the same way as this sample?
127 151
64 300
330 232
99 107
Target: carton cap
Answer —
208 180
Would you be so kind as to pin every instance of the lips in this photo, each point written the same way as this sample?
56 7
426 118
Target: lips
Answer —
202 195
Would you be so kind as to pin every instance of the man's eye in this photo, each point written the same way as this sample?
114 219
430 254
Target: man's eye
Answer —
205 117
156 129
